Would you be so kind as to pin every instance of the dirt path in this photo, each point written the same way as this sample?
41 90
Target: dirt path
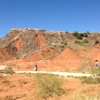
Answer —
55 73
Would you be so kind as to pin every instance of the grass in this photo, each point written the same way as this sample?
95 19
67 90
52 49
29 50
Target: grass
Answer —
79 96
94 71
9 70
49 85
84 43
91 80
3 80
88 69
87 92
52 87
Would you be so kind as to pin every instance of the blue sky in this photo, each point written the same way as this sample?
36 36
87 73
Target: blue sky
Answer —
60 15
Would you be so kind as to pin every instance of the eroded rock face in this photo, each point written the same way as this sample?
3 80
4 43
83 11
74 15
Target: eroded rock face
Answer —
51 50
40 39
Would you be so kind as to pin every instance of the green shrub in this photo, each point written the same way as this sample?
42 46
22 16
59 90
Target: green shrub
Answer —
49 85
85 35
85 41
97 42
63 45
81 42
82 34
52 35
75 33
9 70
79 36
77 42
95 70
95 79
91 80
88 80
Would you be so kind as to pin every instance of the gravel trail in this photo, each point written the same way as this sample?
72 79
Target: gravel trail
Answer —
55 73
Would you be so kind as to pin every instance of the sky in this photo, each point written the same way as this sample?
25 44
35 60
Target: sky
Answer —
57 15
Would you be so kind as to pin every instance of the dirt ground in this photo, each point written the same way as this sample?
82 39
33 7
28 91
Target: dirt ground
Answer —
24 87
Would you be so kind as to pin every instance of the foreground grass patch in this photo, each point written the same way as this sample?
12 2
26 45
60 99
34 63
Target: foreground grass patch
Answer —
49 85
78 96
9 70
91 80
4 80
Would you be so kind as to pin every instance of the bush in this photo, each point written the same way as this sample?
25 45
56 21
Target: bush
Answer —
77 42
49 85
75 33
9 70
82 42
79 36
85 41
92 80
95 71
85 35
87 80
63 45
82 34
96 42
52 35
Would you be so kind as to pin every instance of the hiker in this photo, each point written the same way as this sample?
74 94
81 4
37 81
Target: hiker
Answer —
97 64
35 67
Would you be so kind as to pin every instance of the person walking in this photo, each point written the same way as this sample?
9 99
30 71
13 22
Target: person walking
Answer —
97 64
35 67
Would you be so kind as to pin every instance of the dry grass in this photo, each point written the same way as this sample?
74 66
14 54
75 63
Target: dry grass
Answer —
73 89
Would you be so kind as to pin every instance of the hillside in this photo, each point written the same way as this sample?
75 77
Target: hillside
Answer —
50 50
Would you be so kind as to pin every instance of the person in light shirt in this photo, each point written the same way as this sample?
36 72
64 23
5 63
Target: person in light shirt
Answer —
97 64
